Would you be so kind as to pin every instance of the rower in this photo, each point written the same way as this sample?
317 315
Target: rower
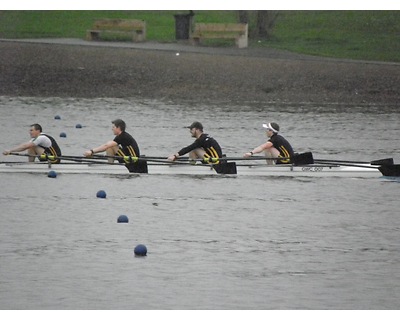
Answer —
204 147
277 147
124 147
41 144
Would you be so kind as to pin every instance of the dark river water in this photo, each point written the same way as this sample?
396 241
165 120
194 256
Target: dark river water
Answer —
213 242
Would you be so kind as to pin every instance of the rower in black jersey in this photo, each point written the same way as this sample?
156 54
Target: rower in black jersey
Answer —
204 147
277 147
122 145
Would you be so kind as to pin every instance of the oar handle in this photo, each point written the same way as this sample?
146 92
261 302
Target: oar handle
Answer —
20 154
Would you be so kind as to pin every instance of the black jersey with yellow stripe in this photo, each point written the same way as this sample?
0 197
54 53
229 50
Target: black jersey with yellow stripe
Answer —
207 143
284 148
127 146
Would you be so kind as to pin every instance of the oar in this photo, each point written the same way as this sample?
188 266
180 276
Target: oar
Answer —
127 159
386 161
135 167
75 159
297 159
181 159
222 167
12 162
385 166
141 166
133 164
348 165
163 160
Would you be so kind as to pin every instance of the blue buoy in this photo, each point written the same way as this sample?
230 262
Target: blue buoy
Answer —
123 219
57 117
140 250
78 126
52 174
101 194
63 135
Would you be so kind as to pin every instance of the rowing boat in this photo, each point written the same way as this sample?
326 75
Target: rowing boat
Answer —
304 165
309 170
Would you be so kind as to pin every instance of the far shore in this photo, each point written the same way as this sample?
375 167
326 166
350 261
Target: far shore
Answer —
45 70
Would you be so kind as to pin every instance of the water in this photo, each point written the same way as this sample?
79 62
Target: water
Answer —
213 242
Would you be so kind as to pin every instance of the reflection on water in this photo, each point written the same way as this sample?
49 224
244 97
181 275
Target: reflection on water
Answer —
265 243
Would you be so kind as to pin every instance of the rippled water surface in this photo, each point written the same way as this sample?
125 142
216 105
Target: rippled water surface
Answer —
213 242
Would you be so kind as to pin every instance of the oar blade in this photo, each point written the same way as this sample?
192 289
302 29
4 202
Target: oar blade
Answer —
383 162
225 168
390 170
137 167
303 158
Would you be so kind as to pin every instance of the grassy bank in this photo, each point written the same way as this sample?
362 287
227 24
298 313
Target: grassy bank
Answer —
363 35
366 35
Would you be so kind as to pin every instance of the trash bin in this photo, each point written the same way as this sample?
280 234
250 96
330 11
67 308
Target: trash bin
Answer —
183 25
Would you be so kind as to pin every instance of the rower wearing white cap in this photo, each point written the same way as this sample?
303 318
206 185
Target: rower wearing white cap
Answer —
276 147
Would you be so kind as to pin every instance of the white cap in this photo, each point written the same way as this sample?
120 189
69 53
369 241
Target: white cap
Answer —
271 126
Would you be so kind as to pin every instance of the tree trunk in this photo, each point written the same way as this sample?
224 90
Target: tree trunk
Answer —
265 23
243 16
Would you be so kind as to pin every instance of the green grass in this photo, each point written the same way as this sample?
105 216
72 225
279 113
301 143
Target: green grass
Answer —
73 24
368 35
363 35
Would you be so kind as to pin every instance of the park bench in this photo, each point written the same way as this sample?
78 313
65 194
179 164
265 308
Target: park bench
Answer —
133 28
235 31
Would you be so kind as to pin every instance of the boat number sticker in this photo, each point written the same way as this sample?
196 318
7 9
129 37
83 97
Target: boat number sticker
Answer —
312 169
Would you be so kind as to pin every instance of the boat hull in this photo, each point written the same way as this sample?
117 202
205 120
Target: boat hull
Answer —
183 169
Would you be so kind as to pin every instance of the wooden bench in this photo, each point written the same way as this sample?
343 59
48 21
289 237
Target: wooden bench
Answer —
236 31
134 28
